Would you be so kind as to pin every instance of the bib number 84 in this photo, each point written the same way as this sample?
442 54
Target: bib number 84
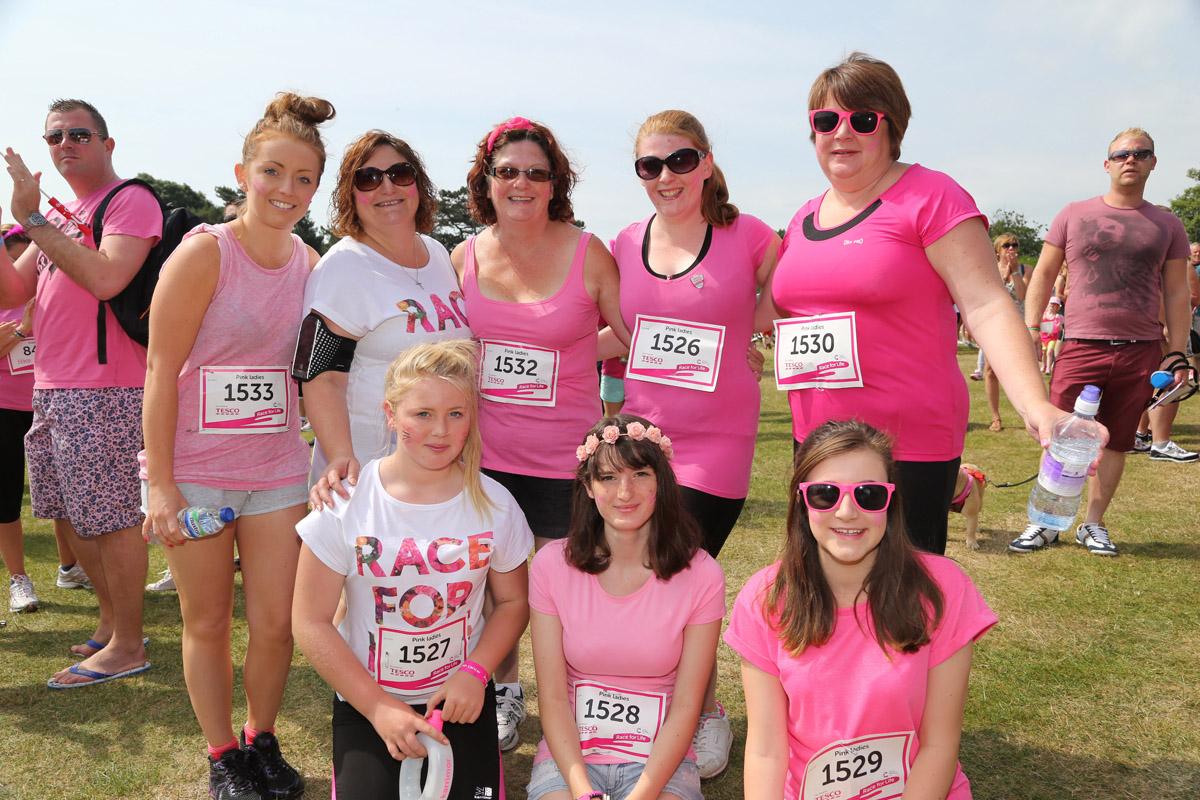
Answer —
612 710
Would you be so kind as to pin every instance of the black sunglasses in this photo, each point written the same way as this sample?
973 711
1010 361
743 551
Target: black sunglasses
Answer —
825 120
681 162
54 136
368 179
873 496
535 174
1125 155
1010 246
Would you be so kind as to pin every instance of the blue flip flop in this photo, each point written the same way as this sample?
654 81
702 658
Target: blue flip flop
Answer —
98 646
96 677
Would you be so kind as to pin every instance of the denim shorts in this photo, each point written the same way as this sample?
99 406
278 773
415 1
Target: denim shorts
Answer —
243 503
615 780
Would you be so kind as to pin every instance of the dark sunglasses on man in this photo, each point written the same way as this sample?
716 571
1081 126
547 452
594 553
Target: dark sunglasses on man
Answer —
54 136
1124 155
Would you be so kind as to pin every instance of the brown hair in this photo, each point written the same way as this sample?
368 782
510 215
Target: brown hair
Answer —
1139 133
454 361
63 105
863 83
714 205
290 114
1002 240
565 178
905 603
674 535
345 217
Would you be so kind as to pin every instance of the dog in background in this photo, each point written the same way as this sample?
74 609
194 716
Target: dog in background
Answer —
968 500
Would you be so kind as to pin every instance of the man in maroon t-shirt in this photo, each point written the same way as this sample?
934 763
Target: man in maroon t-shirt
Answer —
1125 257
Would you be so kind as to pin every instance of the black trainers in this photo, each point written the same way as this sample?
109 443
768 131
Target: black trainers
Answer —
277 779
231 777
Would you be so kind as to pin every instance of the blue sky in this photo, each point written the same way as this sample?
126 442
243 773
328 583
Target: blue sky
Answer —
1016 100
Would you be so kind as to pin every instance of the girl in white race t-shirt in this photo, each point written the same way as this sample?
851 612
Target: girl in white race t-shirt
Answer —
423 537
855 646
626 611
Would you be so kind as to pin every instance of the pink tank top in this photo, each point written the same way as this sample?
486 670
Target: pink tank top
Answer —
539 392
238 422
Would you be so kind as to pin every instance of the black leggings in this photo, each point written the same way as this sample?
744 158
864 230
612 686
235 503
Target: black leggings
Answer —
715 515
13 426
363 767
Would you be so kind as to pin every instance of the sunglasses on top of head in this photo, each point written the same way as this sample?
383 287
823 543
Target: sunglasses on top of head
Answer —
368 179
535 174
1125 155
54 136
681 162
827 120
869 496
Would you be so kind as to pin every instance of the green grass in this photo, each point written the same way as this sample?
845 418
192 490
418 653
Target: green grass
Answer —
1088 688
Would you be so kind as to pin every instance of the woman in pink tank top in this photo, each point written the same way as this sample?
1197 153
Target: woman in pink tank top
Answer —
535 287
222 429
690 274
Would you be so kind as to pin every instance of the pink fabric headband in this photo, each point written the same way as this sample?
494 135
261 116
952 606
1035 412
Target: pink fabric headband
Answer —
514 124
15 230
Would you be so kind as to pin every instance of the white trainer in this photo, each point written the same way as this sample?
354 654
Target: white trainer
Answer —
510 713
21 596
73 578
1034 537
712 742
164 584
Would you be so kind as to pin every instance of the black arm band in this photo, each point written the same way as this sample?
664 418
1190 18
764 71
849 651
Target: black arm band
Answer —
319 349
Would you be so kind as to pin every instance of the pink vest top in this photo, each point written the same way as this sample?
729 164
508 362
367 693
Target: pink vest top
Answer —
537 439
251 325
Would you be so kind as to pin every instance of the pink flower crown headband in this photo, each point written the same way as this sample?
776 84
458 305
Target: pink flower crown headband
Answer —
634 430
514 124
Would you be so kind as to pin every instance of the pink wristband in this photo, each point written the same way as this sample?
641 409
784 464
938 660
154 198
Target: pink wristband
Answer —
475 671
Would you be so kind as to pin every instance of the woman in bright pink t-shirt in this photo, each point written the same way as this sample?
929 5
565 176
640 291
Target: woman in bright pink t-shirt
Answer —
625 614
869 273
856 648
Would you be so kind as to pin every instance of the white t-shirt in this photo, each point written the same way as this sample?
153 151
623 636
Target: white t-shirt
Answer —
415 577
379 302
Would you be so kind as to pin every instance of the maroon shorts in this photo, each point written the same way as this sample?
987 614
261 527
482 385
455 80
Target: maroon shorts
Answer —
1123 374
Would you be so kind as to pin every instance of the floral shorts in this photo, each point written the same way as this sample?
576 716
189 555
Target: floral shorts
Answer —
82 455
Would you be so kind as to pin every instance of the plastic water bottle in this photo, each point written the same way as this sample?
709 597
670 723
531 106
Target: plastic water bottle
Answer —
1074 445
197 522
440 774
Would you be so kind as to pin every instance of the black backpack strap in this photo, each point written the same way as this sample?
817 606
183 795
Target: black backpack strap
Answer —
97 235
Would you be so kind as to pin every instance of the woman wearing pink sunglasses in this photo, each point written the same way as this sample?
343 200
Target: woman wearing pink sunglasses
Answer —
856 648
868 276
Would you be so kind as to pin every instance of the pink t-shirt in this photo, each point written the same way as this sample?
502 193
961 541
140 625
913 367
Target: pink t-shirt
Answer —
1115 258
631 643
875 266
537 439
16 391
713 433
250 323
64 320
849 688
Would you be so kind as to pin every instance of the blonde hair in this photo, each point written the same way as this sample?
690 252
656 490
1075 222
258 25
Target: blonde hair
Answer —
714 204
456 362
1002 240
290 114
1139 133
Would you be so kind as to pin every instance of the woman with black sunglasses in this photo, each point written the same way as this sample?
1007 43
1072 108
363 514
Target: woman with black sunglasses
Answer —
1008 264
537 287
856 648
868 277
384 287
690 275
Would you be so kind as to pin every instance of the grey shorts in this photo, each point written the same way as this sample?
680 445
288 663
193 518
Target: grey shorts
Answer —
244 504
615 780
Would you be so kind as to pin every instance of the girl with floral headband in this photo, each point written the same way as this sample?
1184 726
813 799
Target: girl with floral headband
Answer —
625 617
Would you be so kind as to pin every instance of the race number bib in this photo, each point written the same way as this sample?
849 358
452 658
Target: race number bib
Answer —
420 661
675 352
616 721
520 374
874 767
20 358
818 352
244 399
